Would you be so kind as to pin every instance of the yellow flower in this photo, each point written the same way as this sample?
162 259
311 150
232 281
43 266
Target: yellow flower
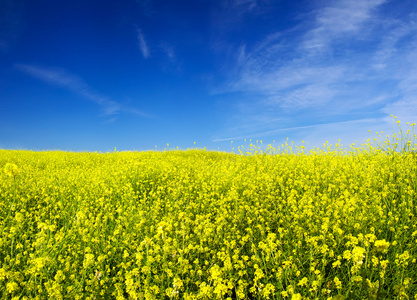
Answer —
336 264
303 282
3 274
59 276
337 283
88 259
402 259
381 245
268 289
12 287
225 224
358 255
347 255
296 297
11 170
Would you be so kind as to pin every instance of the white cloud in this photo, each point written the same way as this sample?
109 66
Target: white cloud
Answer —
341 18
142 44
349 59
310 95
388 48
64 79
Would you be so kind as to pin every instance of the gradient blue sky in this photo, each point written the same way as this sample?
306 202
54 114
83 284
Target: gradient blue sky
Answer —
94 75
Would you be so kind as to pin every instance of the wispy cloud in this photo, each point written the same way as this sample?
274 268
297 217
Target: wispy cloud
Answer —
348 58
64 79
340 20
169 51
316 126
143 46
169 60
247 5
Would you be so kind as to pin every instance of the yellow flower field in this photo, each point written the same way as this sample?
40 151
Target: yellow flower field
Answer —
279 224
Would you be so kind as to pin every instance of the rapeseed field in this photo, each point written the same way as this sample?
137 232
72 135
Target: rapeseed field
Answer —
275 223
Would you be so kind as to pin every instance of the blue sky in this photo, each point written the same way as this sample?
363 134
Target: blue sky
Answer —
94 75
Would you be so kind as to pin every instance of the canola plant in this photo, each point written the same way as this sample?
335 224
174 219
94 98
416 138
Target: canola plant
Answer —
196 224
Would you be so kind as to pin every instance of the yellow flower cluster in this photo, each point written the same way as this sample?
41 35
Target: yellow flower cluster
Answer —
328 224
11 170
